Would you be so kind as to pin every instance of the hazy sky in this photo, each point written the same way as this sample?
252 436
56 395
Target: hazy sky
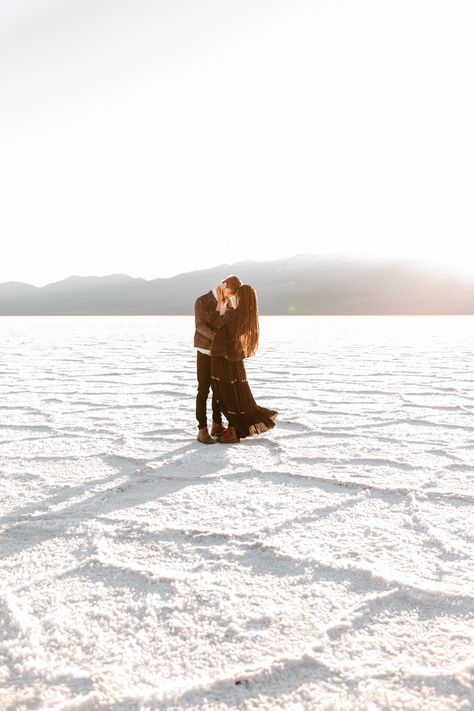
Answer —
158 136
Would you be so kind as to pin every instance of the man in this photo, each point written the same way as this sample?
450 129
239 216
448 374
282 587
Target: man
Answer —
205 314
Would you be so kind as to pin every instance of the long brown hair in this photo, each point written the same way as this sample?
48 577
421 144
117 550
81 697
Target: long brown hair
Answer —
248 330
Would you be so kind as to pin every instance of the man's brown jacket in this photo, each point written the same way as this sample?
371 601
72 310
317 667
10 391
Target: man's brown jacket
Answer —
205 315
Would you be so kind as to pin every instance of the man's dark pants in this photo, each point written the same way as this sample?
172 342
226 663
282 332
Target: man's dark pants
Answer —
204 385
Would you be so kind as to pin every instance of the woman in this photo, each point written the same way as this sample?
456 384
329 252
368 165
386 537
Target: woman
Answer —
237 335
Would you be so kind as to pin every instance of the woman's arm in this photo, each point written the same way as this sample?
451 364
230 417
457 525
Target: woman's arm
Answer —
226 319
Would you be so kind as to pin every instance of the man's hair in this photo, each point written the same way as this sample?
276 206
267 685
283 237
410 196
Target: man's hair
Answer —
233 282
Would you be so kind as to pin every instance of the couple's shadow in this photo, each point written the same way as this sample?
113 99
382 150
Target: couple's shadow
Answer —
186 466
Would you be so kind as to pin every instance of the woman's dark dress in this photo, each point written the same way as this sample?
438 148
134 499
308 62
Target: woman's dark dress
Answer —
230 386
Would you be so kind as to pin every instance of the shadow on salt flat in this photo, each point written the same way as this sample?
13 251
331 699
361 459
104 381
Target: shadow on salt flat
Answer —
270 681
292 425
155 434
65 493
28 428
144 483
114 575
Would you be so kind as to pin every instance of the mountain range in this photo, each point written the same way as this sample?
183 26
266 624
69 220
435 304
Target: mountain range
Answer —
304 284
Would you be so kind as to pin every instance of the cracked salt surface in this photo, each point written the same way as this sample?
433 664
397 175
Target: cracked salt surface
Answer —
326 565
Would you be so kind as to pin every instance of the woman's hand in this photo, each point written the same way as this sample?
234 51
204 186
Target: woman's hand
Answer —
220 297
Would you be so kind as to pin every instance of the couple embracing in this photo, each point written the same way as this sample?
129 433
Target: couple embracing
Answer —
227 331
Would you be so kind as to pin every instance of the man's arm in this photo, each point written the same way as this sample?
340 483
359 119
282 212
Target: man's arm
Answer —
202 321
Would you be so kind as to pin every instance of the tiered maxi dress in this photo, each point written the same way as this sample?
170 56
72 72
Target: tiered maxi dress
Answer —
230 386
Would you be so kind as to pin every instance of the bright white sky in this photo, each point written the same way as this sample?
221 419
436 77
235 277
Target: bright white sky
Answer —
153 137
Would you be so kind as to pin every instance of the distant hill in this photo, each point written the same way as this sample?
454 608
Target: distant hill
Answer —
305 284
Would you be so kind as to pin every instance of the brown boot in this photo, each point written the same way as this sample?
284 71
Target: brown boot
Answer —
217 429
230 436
204 437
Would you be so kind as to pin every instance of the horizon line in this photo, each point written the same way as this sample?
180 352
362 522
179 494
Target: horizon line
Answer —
364 259
190 315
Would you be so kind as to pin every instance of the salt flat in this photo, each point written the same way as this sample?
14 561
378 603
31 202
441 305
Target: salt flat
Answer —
326 565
